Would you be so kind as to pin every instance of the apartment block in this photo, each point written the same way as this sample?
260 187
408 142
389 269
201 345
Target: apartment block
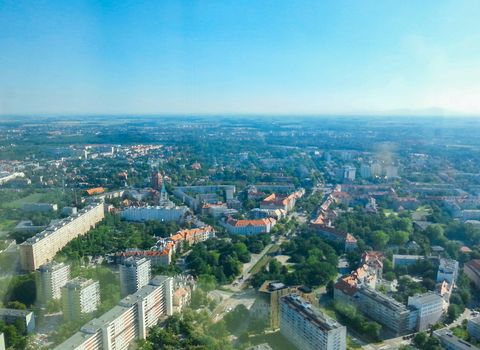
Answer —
267 305
50 278
80 296
430 309
386 311
158 213
447 270
121 326
43 247
473 328
134 274
10 316
308 328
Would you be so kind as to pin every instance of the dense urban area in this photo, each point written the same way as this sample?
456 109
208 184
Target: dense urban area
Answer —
239 233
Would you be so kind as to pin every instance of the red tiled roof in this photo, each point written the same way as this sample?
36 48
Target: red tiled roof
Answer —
347 285
243 223
465 249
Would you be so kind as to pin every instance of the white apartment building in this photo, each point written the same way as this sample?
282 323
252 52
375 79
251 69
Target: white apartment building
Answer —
43 247
134 274
386 310
50 278
80 296
365 171
430 309
349 173
118 328
158 213
308 328
447 271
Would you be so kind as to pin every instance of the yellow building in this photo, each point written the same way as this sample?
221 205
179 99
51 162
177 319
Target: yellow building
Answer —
43 247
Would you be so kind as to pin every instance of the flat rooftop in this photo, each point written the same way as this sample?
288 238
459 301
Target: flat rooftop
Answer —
383 299
313 315
53 228
447 336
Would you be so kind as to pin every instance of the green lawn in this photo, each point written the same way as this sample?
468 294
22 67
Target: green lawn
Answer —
32 198
6 226
460 332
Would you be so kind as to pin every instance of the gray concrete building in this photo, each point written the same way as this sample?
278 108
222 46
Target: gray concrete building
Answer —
308 328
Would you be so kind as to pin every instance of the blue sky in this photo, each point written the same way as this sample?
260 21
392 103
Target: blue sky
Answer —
281 57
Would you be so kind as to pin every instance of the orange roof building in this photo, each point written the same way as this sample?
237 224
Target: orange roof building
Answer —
249 227
95 190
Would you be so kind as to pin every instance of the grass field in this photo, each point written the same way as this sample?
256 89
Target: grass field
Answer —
32 198
6 226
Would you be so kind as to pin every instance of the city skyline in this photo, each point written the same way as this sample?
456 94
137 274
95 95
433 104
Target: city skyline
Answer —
282 58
